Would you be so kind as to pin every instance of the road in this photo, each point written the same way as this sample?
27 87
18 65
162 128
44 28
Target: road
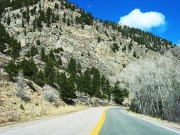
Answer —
83 122
78 123
120 123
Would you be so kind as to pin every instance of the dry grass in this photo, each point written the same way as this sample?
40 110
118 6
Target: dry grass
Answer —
5 120
2 120
37 107
46 110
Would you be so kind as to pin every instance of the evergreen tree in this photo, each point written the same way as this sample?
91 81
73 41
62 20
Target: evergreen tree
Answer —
72 66
28 17
22 23
78 68
114 47
2 46
12 69
58 62
38 42
8 20
33 51
43 55
28 67
108 89
87 82
49 72
99 39
68 22
16 48
95 83
114 38
67 88
130 46
52 56
119 94
40 80
56 6
80 83
134 54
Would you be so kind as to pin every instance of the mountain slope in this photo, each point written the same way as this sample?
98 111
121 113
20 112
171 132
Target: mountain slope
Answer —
56 43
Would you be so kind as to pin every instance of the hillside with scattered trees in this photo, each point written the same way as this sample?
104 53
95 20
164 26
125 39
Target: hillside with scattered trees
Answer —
56 46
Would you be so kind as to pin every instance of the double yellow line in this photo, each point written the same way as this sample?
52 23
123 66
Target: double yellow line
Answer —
98 127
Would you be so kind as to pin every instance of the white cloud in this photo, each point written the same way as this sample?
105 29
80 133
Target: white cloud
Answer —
89 6
144 21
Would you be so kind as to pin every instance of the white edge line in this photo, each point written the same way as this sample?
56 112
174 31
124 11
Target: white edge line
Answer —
42 123
152 122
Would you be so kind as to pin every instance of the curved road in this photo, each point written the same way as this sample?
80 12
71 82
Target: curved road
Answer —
78 123
120 123
83 122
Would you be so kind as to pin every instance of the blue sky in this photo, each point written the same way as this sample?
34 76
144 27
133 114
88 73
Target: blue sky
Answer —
161 17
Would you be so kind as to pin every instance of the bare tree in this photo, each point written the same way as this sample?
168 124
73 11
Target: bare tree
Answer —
154 87
20 91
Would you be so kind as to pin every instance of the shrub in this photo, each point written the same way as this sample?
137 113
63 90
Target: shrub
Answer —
21 106
50 94
36 103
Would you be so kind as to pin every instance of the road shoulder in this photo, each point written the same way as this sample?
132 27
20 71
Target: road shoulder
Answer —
171 125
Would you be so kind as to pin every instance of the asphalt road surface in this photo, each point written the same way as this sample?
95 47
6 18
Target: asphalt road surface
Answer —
120 123
78 123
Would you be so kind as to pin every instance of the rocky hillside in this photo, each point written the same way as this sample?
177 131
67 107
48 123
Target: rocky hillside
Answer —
66 34
98 44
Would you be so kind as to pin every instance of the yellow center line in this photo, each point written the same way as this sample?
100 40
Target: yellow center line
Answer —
98 127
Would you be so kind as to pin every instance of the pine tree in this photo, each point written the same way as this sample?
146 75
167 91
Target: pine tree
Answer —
99 39
119 94
87 82
49 72
68 22
28 67
2 46
134 54
38 42
56 6
16 48
43 55
114 47
8 20
67 88
108 89
12 69
72 66
52 56
22 23
28 17
78 68
95 83
40 80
